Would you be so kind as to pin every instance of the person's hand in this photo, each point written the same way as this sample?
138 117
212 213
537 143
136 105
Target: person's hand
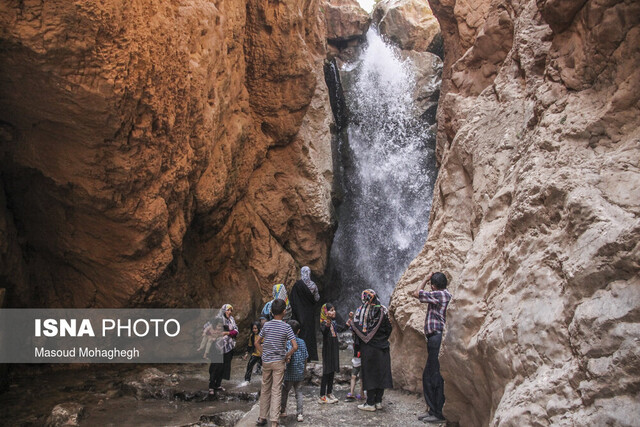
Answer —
416 294
245 356
287 359
351 315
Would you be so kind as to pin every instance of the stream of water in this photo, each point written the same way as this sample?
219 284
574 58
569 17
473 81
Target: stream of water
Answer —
387 172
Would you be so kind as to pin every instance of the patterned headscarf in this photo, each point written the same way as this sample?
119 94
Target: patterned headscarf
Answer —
305 276
229 342
280 292
368 314
324 318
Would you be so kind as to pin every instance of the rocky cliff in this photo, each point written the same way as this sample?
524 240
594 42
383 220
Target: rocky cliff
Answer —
536 216
161 153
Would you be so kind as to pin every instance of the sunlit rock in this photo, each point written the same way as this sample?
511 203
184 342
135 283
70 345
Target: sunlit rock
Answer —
162 154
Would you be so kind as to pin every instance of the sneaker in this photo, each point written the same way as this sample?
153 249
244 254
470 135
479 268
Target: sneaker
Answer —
365 407
300 418
428 418
323 399
331 398
261 422
378 406
350 398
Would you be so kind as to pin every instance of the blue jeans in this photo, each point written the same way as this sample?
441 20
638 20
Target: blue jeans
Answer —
432 381
297 387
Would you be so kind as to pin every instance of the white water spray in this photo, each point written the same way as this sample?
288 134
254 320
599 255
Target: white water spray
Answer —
388 175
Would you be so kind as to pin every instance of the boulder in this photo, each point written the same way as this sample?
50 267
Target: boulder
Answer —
65 414
410 24
345 20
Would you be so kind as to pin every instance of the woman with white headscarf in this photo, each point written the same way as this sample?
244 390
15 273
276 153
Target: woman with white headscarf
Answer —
304 296
220 367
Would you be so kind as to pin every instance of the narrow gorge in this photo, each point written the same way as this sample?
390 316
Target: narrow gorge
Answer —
193 153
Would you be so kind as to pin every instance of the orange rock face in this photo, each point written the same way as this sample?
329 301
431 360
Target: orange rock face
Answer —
535 216
158 153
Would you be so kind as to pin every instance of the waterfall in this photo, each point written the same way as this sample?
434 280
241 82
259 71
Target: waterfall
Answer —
387 171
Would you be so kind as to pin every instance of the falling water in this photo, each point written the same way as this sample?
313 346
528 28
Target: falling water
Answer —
388 170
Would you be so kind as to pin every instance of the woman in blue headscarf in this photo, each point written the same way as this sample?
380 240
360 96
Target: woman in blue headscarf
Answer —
279 292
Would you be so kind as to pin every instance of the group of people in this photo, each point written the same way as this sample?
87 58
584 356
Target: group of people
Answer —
284 340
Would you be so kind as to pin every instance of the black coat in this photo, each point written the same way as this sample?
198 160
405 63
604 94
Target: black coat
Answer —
303 306
331 348
376 359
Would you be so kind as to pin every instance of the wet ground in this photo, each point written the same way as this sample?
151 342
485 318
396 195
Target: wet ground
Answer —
114 395
176 395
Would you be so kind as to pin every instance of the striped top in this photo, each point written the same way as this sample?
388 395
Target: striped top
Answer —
295 368
276 334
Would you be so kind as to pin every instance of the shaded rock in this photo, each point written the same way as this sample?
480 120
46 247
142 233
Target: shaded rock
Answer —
225 419
427 68
151 384
65 414
313 374
410 24
155 384
534 220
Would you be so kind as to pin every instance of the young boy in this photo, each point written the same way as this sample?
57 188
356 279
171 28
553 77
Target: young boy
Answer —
275 334
294 375
356 365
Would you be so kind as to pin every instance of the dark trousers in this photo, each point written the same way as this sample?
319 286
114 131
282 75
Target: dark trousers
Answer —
250 364
220 371
326 385
215 374
374 396
432 381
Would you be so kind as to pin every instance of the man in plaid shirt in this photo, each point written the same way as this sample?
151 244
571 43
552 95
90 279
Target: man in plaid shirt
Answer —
432 382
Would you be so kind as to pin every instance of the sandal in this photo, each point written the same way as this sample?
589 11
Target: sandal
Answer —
220 388
349 397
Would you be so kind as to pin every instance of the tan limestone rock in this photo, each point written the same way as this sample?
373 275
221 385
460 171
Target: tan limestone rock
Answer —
345 20
408 23
534 219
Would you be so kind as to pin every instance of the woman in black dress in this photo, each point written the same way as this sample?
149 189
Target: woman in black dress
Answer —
304 296
372 328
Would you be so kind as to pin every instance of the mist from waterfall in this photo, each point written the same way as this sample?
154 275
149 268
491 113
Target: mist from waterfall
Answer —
387 172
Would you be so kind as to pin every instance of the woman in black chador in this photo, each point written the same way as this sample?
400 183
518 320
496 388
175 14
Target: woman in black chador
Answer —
303 298
372 328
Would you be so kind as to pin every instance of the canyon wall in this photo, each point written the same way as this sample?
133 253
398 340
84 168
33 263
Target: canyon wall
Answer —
162 153
536 216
